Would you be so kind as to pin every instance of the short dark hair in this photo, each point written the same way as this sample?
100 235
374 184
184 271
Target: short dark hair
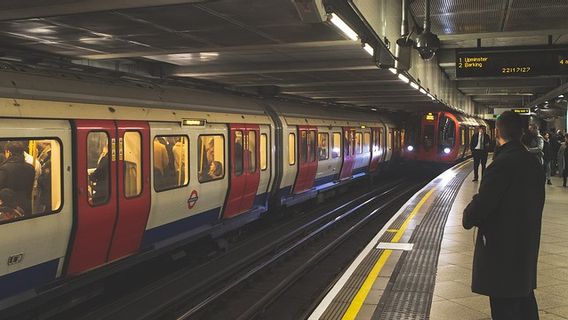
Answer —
15 147
510 126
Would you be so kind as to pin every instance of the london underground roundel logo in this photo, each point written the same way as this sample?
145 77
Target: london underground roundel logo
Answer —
193 197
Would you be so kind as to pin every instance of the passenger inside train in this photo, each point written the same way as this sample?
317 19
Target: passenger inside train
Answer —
26 169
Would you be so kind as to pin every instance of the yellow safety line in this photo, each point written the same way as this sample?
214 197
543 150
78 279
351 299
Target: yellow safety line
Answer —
392 230
361 295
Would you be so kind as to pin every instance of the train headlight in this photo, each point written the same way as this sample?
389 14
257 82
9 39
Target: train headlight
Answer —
447 150
410 148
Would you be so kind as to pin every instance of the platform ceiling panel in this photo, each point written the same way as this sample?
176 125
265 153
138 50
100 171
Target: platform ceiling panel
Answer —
239 43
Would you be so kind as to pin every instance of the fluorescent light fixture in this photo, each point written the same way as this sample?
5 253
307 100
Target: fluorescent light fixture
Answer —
369 49
423 91
546 102
373 109
393 70
341 25
403 78
431 97
41 30
561 96
414 85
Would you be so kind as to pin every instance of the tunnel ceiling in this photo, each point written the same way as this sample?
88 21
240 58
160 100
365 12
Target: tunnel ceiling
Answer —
248 44
497 23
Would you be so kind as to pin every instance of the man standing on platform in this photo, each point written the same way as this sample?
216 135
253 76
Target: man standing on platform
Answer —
479 146
508 213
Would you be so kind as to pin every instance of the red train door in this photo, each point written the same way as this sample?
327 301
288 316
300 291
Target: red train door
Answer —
375 154
113 193
307 156
95 165
348 153
133 188
245 173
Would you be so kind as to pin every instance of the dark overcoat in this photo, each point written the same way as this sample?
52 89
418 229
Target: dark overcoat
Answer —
508 212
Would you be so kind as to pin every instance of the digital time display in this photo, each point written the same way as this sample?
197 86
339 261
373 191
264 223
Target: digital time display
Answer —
511 62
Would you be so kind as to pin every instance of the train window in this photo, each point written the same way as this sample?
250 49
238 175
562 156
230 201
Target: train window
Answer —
336 145
291 149
401 138
303 147
390 139
171 165
132 164
211 157
311 146
447 132
251 150
366 142
30 178
346 143
380 136
358 142
323 146
428 136
238 162
462 136
263 151
98 168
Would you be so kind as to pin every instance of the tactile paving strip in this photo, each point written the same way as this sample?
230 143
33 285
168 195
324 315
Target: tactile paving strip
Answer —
343 299
408 296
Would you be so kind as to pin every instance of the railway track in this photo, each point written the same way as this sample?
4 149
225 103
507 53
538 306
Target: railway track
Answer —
197 292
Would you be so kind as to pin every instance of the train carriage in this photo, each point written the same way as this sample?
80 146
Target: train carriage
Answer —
136 168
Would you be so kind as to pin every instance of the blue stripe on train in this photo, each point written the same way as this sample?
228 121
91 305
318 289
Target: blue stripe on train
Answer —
324 180
180 227
29 278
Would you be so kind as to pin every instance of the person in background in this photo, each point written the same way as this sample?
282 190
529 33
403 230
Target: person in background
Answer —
18 175
535 142
9 209
554 147
563 160
44 181
479 146
508 213
161 161
100 179
548 155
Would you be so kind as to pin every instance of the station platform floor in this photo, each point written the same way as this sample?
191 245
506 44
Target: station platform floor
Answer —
419 265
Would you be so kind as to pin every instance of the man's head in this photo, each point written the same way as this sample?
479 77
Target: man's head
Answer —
533 128
14 149
509 127
546 136
481 129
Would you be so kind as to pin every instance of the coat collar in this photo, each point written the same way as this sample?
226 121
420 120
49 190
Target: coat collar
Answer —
507 147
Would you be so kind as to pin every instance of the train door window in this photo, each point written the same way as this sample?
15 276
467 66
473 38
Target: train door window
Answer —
170 162
311 146
401 138
428 136
291 149
251 150
390 139
212 157
303 146
98 168
132 164
37 191
346 143
336 145
447 132
358 142
323 146
462 136
239 161
263 151
366 142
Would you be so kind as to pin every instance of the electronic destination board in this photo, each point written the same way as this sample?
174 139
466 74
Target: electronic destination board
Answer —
509 62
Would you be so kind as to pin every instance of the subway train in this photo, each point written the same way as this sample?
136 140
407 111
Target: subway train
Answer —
440 137
100 173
